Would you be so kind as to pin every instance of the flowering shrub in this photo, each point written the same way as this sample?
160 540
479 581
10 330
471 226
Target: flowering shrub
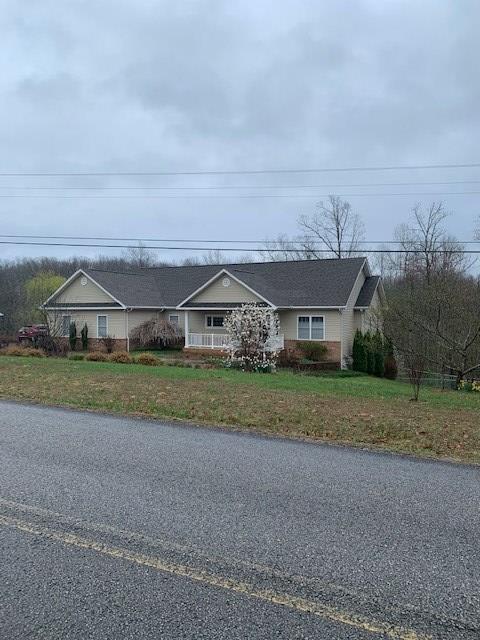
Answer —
252 338
464 385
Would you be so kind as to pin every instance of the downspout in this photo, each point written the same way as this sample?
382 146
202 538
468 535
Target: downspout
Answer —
127 332
342 365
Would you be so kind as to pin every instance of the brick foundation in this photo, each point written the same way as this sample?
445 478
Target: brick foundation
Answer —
331 361
96 344
333 355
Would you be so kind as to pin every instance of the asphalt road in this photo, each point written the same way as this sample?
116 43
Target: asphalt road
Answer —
115 528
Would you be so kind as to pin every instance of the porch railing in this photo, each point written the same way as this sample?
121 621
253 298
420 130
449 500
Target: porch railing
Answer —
221 341
207 340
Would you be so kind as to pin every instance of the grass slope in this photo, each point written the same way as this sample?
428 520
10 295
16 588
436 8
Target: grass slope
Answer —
356 410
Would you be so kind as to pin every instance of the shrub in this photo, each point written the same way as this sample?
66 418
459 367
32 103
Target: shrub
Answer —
370 360
84 334
390 364
76 356
121 357
379 368
52 346
72 336
359 353
467 385
390 367
108 342
147 359
96 356
158 332
22 352
289 357
315 351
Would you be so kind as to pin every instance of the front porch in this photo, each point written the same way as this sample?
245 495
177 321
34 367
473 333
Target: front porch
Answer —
204 331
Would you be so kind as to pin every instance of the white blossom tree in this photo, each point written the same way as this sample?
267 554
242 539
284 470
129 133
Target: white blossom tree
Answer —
253 342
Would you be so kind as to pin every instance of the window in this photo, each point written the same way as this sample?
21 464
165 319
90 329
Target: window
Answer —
102 327
214 321
173 319
303 328
66 321
311 328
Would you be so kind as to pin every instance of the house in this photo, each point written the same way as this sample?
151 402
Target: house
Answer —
324 300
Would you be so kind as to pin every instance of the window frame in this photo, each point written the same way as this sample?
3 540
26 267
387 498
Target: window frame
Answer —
212 316
310 316
174 315
66 334
102 315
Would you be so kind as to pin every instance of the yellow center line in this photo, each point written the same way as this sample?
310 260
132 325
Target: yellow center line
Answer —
244 588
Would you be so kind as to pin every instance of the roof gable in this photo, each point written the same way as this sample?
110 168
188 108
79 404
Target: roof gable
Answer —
81 288
224 287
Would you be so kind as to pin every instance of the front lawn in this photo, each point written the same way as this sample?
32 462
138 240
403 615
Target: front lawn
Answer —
334 407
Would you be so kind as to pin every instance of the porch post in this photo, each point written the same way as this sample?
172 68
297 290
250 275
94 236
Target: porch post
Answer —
186 329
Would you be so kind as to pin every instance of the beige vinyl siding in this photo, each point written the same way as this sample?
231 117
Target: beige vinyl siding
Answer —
76 292
348 316
370 318
288 322
115 321
181 317
358 320
137 317
197 323
216 292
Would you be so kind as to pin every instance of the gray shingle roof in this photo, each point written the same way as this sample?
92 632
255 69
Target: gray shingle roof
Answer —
322 283
366 292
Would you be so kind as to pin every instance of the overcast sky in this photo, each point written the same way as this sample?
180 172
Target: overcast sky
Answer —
169 86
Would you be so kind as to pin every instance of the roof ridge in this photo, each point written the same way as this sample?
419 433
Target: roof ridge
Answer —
240 264
122 273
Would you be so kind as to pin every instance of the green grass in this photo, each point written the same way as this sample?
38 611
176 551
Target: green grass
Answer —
338 406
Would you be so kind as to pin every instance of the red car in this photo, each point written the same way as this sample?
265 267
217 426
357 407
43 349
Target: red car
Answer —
30 332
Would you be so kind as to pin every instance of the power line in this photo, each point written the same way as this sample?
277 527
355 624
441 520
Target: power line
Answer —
240 186
291 196
236 249
241 171
199 240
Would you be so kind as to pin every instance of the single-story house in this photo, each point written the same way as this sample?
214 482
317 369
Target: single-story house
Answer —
321 300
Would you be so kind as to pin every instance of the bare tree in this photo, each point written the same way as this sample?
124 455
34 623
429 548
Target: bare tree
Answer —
140 256
191 261
283 249
436 320
335 227
415 364
214 256
424 247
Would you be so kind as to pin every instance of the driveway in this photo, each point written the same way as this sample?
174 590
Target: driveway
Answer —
115 528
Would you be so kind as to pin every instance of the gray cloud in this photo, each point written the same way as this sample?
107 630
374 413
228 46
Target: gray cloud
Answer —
202 85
